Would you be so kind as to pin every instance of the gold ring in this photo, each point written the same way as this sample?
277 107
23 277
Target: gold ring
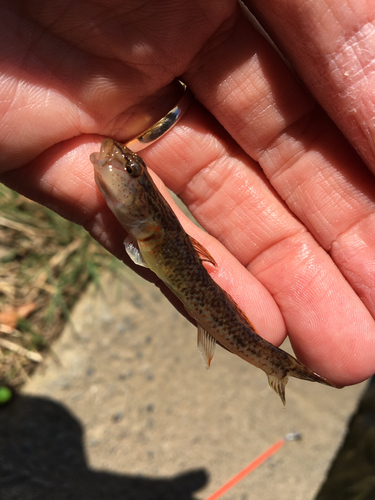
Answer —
165 124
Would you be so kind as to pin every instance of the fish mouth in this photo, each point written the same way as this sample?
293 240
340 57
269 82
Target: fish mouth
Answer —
106 152
106 149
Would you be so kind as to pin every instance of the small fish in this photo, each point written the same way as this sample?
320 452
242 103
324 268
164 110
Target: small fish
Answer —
157 240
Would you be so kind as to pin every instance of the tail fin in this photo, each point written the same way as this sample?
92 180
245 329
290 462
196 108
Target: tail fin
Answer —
297 370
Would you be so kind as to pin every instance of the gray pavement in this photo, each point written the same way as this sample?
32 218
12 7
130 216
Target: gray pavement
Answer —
125 409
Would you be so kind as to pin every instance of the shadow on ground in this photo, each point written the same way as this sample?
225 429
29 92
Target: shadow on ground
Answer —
42 457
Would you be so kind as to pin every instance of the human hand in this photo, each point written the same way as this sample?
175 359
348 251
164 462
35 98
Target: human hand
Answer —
257 161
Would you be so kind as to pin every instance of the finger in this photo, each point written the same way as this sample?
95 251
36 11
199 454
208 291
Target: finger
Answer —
331 44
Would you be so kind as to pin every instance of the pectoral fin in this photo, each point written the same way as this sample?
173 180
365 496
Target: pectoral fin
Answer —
202 252
133 251
206 345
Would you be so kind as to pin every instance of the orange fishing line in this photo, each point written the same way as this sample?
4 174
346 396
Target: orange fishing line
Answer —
258 461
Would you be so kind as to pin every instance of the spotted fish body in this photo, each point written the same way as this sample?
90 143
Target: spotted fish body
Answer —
158 241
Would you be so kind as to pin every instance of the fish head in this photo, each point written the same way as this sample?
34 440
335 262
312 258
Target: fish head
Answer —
122 178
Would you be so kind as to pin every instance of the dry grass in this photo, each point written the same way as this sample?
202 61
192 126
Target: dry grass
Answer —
45 264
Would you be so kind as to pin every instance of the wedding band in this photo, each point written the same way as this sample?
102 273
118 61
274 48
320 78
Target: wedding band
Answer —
165 124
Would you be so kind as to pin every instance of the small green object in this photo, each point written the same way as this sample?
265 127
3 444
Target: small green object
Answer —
5 395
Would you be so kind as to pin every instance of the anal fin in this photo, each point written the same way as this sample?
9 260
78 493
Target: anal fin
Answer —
206 345
278 385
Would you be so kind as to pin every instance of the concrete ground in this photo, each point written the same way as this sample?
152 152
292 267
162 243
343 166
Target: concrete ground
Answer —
124 409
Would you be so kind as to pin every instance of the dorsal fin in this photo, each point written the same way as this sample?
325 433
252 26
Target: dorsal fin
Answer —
204 254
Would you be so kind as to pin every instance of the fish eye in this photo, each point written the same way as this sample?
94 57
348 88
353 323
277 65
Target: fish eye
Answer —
134 168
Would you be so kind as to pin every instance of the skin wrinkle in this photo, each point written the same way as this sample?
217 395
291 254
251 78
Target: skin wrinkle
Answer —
273 124
349 65
211 189
213 178
364 53
324 41
254 263
247 96
364 289
293 201
258 210
197 174
307 279
313 213
208 186
350 252
299 139
6 104
219 37
349 229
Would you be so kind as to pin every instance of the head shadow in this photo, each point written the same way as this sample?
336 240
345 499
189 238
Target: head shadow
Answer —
42 457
